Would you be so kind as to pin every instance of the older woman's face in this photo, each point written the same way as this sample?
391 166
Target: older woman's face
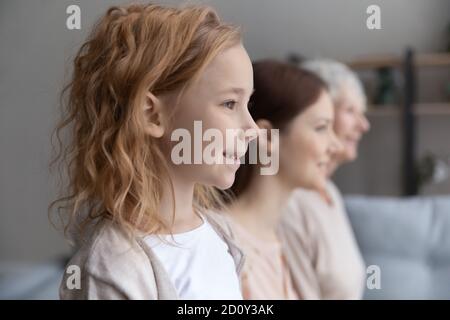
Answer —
350 123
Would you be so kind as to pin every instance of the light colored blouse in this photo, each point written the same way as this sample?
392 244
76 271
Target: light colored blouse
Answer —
320 244
198 263
115 267
265 274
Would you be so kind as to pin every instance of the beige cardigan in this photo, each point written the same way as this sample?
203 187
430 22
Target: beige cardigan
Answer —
112 267
320 247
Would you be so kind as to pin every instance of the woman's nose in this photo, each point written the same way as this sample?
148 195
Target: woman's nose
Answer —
364 123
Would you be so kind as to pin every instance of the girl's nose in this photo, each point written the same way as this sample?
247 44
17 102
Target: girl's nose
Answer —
249 127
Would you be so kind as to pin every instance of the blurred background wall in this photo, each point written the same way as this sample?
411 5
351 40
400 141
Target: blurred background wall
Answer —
36 50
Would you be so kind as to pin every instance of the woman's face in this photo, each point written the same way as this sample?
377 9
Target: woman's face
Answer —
307 145
350 123
219 100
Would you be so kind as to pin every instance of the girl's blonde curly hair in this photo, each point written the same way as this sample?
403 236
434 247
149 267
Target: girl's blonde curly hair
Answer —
113 168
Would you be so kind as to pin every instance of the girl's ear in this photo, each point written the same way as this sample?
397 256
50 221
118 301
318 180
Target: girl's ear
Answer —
153 116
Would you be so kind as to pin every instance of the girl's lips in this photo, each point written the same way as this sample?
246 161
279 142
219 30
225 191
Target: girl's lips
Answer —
232 159
234 155
230 156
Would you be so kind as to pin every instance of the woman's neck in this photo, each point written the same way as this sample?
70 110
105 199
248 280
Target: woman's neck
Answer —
332 166
259 210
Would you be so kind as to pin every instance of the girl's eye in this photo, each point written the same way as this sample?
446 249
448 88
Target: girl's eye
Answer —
229 104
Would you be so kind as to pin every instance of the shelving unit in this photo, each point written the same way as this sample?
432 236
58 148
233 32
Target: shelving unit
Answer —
420 109
394 61
410 110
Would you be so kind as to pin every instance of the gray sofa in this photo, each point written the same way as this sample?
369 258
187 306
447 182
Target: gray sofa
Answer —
36 281
409 239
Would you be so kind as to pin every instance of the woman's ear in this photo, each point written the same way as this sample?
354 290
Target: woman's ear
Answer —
153 116
265 125
265 135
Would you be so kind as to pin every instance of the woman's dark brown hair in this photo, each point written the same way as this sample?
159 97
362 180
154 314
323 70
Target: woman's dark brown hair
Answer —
282 91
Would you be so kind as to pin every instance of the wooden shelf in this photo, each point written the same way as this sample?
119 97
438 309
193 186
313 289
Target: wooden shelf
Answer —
420 109
391 60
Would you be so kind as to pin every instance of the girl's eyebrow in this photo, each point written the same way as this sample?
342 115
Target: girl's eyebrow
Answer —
236 90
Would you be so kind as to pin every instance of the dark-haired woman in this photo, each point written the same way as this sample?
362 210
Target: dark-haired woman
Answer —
297 103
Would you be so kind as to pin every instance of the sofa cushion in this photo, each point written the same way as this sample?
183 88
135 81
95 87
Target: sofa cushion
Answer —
409 239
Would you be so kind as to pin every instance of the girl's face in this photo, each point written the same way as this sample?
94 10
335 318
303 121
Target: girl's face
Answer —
219 99
350 123
307 145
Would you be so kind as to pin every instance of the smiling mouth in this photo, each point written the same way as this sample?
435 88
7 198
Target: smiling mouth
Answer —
233 157
353 140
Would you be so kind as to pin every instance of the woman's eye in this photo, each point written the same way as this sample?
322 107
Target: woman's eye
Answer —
229 104
350 110
321 128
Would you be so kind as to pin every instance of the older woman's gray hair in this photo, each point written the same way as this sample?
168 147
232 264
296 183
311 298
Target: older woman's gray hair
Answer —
336 75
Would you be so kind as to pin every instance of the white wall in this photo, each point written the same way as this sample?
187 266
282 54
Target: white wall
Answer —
336 28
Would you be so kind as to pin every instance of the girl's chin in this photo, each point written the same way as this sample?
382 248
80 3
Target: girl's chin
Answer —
225 181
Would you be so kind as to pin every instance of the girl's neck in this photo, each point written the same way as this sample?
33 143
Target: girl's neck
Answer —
184 218
259 210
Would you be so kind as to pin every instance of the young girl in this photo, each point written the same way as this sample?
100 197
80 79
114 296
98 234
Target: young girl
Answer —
145 71
296 103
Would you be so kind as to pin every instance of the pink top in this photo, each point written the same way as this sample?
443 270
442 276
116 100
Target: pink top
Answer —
265 275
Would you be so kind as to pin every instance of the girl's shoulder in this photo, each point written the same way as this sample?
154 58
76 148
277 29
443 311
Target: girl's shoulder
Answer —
112 265
106 242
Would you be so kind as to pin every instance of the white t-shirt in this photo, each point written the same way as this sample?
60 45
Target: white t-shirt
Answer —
198 264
